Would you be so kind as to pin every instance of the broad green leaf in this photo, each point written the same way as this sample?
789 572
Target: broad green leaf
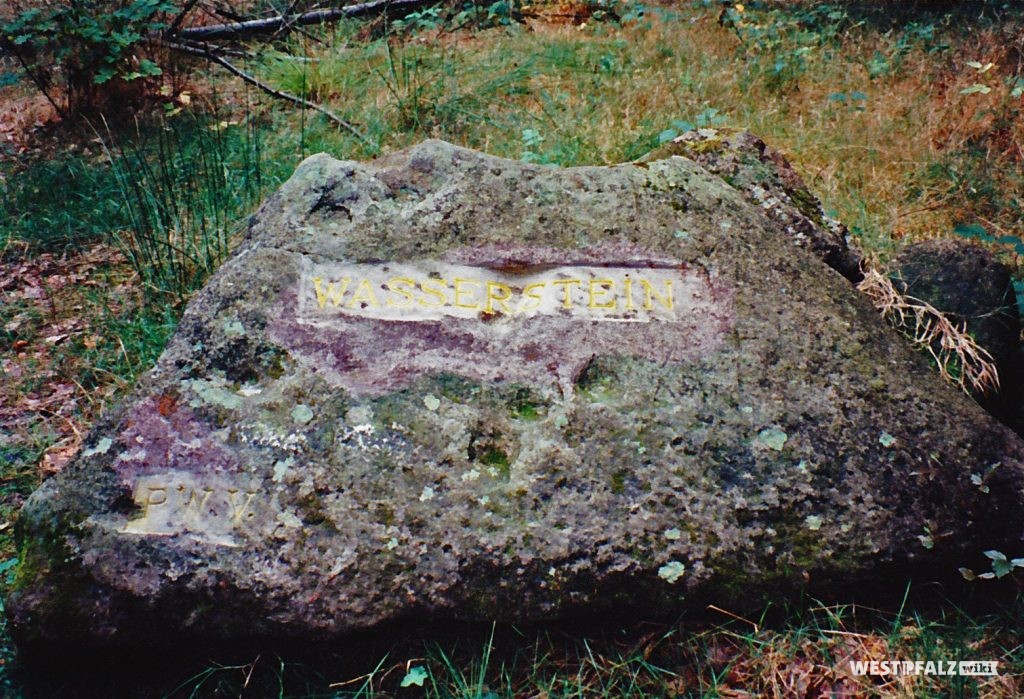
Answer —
975 89
1001 567
972 230
148 68
104 74
416 676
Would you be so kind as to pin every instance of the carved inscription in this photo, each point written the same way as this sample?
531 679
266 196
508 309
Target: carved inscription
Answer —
431 291
177 502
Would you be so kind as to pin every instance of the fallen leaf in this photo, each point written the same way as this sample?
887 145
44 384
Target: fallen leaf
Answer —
56 457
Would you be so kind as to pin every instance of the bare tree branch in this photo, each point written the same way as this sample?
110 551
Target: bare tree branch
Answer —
272 25
273 92
176 22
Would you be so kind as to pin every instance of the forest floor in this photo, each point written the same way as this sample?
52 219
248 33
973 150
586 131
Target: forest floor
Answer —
906 123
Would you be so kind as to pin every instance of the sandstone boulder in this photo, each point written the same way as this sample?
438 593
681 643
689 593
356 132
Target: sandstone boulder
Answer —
449 386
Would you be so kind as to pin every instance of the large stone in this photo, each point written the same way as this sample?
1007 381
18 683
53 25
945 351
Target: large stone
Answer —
449 386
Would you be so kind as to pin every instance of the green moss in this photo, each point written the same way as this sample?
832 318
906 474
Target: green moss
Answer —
275 365
619 481
524 405
498 459
807 204
32 564
527 411
456 388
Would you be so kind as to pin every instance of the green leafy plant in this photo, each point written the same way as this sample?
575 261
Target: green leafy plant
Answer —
565 151
780 38
854 101
75 48
532 142
976 231
1001 567
708 118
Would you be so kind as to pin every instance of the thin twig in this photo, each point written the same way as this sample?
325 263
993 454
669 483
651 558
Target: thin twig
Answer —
288 19
39 83
175 25
273 92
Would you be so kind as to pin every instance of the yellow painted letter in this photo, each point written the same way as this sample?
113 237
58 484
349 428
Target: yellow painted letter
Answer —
628 283
238 509
601 287
437 289
157 495
492 297
363 295
332 294
650 294
567 284
531 292
393 285
196 499
459 291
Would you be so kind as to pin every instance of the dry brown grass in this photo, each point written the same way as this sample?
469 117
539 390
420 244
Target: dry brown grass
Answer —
599 91
959 358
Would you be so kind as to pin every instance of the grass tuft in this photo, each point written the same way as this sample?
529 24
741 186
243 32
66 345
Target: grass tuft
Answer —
184 186
958 356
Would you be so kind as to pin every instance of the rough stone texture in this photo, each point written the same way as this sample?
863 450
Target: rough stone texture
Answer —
766 179
967 283
289 470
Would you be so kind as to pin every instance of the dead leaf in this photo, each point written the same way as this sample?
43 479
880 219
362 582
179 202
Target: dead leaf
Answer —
56 457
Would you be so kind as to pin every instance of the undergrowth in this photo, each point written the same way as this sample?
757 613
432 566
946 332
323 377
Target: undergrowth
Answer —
802 650
86 210
905 121
184 187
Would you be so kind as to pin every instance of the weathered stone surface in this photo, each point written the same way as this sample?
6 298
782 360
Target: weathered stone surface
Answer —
487 421
765 178
967 283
